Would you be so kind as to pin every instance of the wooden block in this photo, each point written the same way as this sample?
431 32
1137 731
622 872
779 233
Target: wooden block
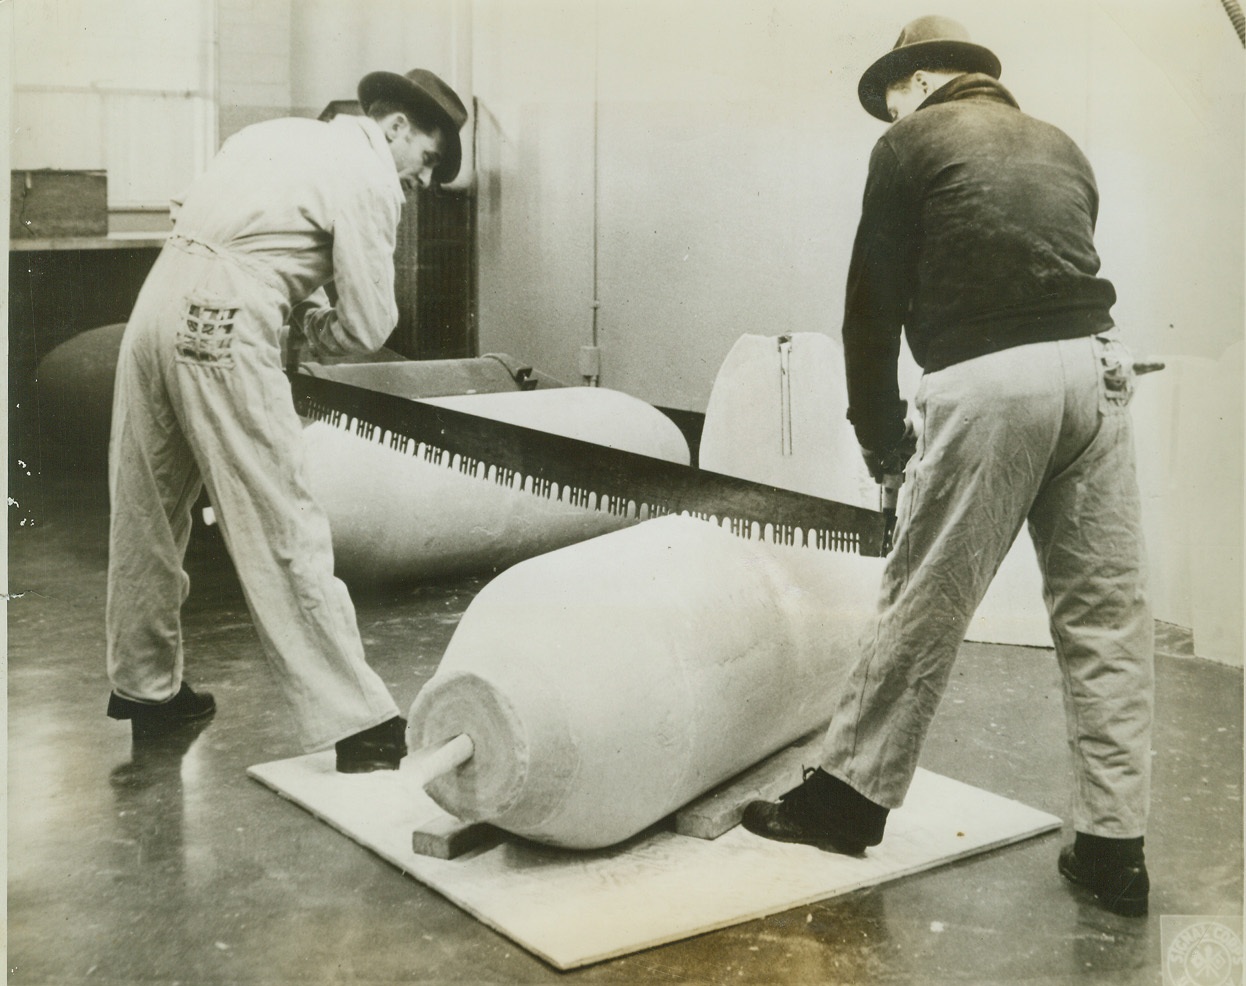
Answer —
446 837
716 811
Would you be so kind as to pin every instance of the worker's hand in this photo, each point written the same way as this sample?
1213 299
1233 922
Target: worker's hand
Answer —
891 461
296 338
291 348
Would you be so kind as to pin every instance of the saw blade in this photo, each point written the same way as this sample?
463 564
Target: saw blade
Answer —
585 474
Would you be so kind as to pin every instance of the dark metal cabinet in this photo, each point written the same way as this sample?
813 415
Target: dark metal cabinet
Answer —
433 277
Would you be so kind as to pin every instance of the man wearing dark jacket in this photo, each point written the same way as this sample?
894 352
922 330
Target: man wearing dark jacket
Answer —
977 239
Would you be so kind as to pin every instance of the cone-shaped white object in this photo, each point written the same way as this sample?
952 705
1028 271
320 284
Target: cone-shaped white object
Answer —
777 415
606 684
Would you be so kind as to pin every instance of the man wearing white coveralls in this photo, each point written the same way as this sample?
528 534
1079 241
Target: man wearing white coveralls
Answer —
202 400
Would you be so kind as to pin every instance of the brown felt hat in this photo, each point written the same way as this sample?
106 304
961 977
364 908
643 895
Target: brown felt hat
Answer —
932 42
425 93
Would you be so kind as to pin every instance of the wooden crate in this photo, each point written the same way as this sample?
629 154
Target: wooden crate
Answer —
58 203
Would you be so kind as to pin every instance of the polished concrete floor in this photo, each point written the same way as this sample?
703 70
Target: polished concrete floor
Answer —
168 865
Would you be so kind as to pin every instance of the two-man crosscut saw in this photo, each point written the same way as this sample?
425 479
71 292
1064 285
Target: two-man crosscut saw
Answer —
585 474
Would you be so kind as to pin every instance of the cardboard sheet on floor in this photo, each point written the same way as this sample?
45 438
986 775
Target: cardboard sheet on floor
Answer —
576 908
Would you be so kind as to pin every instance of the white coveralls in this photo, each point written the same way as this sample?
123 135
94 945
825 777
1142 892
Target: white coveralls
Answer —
1040 433
202 399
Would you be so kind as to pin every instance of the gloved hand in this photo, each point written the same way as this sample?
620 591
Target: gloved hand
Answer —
891 461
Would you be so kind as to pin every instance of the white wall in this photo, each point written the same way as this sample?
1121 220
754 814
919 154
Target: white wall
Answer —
696 169
534 82
253 62
147 89
1164 129
294 57
334 43
127 87
707 159
1166 134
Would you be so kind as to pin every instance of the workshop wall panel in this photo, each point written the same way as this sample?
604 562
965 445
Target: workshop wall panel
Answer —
253 62
1172 218
106 84
139 179
533 73
120 45
696 169
57 129
334 44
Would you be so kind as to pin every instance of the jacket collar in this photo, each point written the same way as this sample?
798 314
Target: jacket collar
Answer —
972 85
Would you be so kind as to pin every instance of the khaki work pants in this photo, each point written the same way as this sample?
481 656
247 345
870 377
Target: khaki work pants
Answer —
201 398
1038 433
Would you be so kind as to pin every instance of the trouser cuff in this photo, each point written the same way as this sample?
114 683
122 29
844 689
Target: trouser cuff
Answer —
1105 850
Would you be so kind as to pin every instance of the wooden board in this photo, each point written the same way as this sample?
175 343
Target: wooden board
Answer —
716 811
575 908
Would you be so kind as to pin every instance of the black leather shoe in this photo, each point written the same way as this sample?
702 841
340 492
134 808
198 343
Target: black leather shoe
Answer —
147 719
1113 870
378 748
822 811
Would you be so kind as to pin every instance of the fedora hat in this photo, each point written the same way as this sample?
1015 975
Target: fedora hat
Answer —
425 94
932 42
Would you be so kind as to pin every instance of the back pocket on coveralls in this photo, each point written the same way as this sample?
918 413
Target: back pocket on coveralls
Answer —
1116 372
206 335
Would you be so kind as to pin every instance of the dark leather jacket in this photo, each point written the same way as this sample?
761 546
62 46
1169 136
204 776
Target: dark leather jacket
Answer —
976 234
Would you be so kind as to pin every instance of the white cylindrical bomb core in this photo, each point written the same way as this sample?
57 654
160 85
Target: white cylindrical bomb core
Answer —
608 683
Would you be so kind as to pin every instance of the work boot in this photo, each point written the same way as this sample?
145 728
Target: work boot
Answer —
151 719
1114 870
378 748
821 811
